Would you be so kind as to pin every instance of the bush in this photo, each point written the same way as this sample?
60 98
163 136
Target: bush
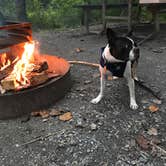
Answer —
53 14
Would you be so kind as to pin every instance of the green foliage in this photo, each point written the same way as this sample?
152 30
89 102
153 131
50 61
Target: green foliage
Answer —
61 13
7 8
53 13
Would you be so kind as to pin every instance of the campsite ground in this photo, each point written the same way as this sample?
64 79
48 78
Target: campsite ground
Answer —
106 134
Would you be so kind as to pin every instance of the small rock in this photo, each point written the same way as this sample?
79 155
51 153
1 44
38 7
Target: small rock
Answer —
152 131
79 123
156 101
93 126
88 82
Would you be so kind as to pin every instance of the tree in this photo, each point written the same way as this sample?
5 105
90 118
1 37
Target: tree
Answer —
21 10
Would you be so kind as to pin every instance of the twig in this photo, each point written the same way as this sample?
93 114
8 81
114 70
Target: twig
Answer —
84 63
146 38
137 81
35 139
158 148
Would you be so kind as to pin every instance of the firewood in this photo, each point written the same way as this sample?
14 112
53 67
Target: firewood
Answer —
40 67
6 71
38 78
9 83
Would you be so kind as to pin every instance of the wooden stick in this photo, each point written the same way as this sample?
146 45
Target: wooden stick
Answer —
158 148
84 63
35 139
146 38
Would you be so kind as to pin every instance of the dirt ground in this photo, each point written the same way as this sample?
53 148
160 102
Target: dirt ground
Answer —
106 134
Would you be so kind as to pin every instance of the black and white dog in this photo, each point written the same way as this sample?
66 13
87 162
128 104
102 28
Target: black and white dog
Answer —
120 57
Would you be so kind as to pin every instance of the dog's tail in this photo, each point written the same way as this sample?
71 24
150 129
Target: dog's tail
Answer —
151 89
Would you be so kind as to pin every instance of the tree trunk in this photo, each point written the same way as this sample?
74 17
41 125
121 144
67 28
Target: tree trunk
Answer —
21 10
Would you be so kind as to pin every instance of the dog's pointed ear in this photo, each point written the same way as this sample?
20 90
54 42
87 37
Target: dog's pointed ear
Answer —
111 35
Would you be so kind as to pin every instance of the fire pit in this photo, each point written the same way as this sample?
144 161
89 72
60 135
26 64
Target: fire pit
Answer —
29 81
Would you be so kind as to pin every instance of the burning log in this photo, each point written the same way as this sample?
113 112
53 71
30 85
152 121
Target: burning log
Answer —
7 70
40 67
36 76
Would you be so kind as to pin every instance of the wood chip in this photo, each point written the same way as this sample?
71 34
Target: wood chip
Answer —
66 116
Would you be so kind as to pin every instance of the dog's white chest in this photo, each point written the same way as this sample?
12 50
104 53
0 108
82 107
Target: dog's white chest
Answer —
107 55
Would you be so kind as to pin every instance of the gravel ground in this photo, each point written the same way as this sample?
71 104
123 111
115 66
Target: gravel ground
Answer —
106 134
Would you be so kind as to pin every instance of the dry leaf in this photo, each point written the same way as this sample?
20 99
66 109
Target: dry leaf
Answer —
152 131
78 50
43 114
66 116
109 78
153 108
36 113
143 142
55 112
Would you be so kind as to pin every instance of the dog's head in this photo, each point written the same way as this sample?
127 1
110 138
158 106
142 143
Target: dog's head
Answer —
123 48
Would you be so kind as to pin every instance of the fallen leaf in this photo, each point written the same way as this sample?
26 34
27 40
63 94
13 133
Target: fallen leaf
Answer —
55 112
153 108
109 78
78 50
66 116
152 131
142 142
36 113
43 114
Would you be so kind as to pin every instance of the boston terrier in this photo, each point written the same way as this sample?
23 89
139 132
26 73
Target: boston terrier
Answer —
120 57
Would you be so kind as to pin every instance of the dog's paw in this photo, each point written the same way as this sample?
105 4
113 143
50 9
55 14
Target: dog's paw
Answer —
133 106
96 100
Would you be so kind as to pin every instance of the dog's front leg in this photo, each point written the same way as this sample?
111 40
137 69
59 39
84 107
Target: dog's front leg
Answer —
102 86
131 84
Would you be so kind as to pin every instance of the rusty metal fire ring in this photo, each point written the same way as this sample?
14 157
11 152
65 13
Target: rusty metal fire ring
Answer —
16 104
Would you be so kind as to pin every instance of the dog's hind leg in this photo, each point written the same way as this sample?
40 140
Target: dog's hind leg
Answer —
102 86
133 69
131 84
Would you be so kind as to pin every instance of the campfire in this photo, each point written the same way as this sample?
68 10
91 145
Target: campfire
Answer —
28 80
20 68
23 67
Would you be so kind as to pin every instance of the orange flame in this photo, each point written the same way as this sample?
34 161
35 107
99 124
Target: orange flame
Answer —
21 68
5 62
